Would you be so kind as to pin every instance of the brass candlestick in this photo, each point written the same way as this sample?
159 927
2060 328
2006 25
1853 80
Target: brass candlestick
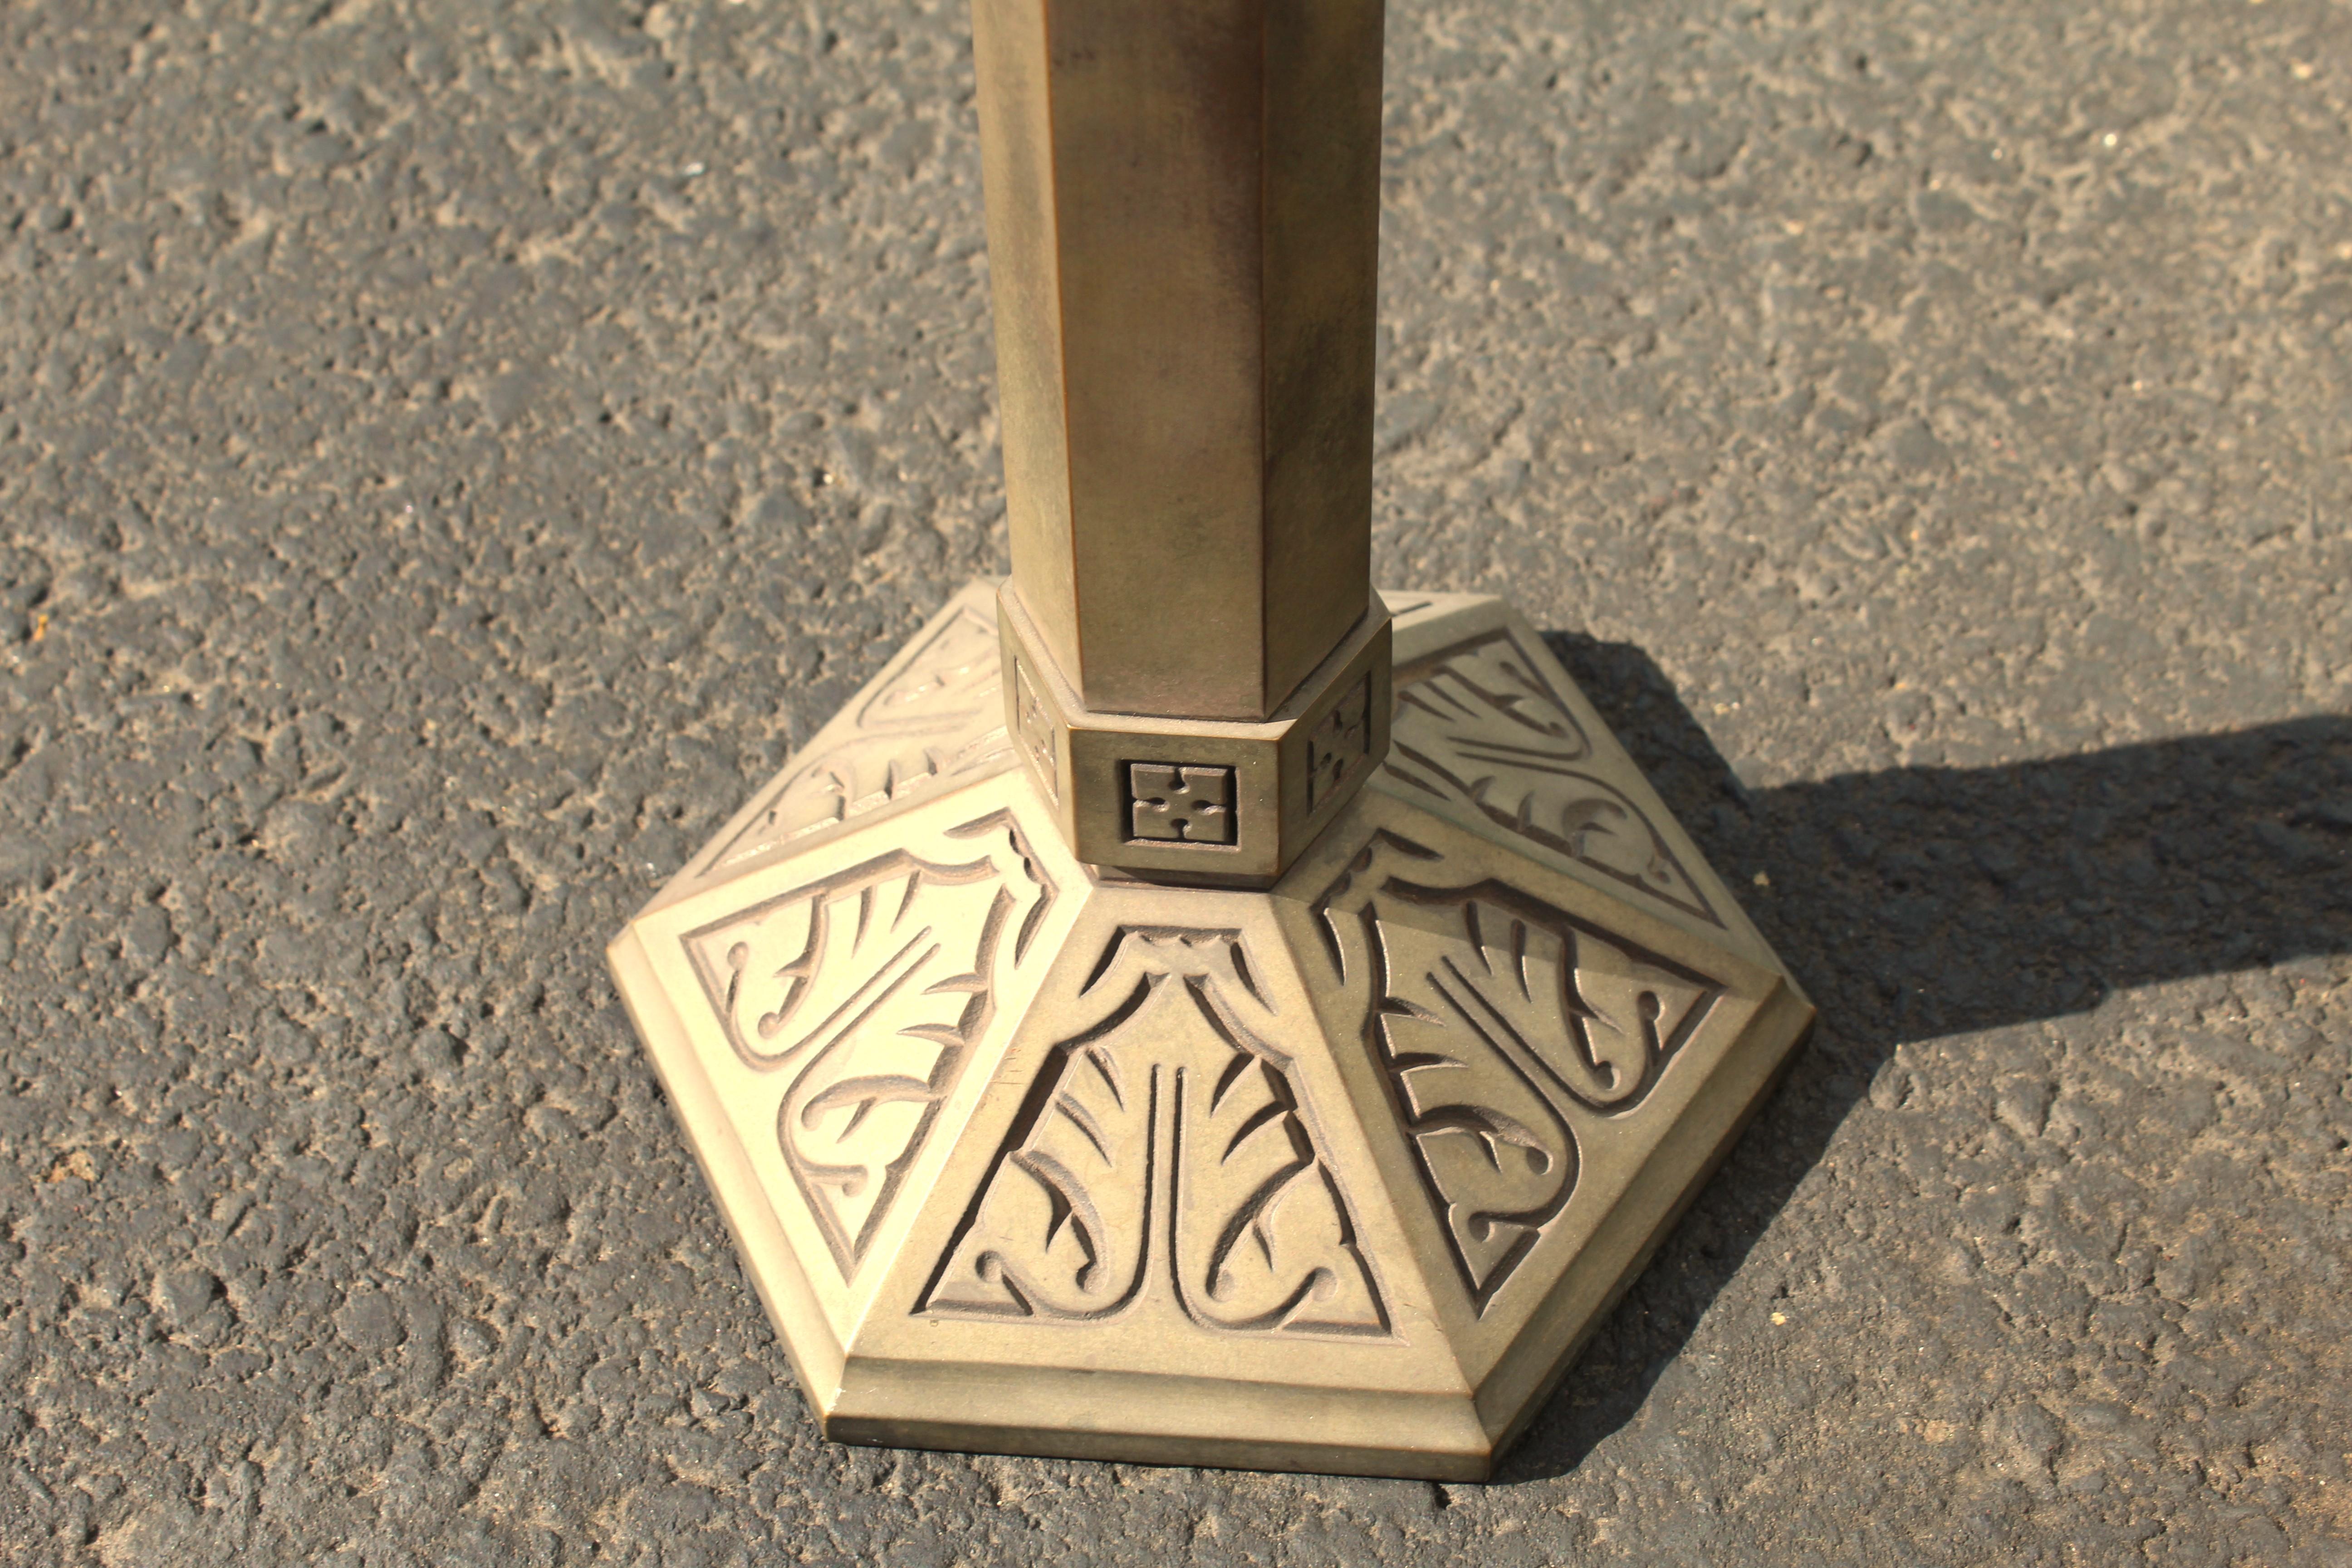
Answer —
1191 1009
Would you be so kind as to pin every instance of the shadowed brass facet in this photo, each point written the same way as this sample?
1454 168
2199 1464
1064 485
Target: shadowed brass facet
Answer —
1189 1008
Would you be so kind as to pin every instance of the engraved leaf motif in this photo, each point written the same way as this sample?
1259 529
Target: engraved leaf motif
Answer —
952 681
1484 710
1164 1143
1063 1225
1492 1145
939 717
1496 1016
1483 727
1631 1016
808 968
1261 1238
866 992
1539 982
854 1113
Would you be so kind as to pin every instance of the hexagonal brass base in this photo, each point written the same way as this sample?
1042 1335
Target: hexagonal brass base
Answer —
1335 1175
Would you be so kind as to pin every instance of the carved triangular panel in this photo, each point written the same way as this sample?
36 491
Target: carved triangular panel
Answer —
1493 733
934 716
836 1007
1493 1015
1163 1161
865 991
1481 725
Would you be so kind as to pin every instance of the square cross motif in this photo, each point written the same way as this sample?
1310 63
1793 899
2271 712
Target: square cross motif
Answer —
1036 731
1340 744
1170 803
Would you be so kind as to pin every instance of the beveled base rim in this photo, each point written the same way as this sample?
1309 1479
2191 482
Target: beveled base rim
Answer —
1205 1453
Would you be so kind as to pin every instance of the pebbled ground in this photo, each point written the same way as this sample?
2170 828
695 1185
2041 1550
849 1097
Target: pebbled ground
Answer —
449 451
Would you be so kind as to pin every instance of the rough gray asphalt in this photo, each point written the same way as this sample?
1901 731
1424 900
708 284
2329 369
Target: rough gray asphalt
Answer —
449 451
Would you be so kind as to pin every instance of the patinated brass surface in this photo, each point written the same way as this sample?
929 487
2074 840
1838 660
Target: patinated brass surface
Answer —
1190 1008
1333 1175
1182 228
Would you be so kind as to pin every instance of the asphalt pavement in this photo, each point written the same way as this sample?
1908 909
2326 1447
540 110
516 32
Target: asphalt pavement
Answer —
451 451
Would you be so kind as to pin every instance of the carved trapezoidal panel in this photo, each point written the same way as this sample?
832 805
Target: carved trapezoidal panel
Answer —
867 991
940 717
1479 725
1163 1161
1493 1015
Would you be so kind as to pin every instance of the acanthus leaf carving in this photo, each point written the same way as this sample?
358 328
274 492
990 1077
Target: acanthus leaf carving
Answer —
939 718
1498 1018
866 992
1478 725
1162 1161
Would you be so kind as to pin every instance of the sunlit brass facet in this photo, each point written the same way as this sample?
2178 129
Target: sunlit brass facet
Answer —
1026 1156
1183 218
1184 212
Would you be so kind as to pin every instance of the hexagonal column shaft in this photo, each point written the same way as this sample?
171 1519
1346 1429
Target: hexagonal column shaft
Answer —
1182 224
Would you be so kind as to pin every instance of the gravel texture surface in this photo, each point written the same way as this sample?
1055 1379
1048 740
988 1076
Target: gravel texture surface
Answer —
450 450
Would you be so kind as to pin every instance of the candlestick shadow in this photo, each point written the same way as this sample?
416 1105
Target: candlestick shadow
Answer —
1925 901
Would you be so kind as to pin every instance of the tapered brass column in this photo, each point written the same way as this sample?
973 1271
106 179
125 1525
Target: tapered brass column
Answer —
1183 209
1189 1008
